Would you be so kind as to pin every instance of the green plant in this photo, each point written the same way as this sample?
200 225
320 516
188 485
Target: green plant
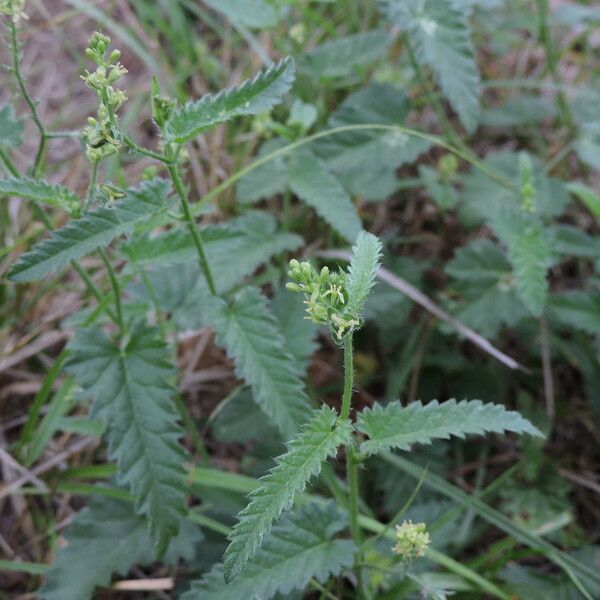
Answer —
308 523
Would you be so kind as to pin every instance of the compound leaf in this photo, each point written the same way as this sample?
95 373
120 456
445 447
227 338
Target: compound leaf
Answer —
252 97
310 180
318 440
298 548
40 191
94 230
366 256
439 33
132 394
249 332
397 426
106 537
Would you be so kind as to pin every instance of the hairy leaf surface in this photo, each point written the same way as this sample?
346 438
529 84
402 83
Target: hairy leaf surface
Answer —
310 180
132 394
340 57
252 97
247 13
318 440
439 33
396 426
40 191
531 254
248 331
579 309
107 537
94 230
301 546
366 256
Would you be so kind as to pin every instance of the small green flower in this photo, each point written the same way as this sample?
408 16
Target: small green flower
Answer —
14 9
412 540
325 295
101 136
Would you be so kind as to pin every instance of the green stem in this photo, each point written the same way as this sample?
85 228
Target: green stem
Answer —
8 163
351 455
193 229
17 71
116 288
348 377
91 286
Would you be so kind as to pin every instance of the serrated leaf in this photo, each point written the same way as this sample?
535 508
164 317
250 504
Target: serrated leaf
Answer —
587 145
257 14
299 333
587 195
340 57
573 241
366 160
531 253
40 191
234 250
396 426
268 179
11 128
249 332
318 440
94 230
106 537
254 96
299 548
483 197
132 393
579 309
485 287
310 180
366 256
440 35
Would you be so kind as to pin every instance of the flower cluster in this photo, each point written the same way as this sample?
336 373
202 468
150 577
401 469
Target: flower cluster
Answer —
101 135
412 540
14 9
325 295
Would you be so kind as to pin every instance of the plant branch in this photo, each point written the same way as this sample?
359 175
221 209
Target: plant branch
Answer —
191 224
116 288
23 89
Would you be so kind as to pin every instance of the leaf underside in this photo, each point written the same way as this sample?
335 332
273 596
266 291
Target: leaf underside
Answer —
132 394
249 332
318 440
94 230
396 426
300 547
254 96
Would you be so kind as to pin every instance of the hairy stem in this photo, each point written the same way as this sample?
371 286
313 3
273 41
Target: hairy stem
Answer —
348 376
191 224
351 455
14 47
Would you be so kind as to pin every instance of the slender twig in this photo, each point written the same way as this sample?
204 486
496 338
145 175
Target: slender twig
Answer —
8 163
32 107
